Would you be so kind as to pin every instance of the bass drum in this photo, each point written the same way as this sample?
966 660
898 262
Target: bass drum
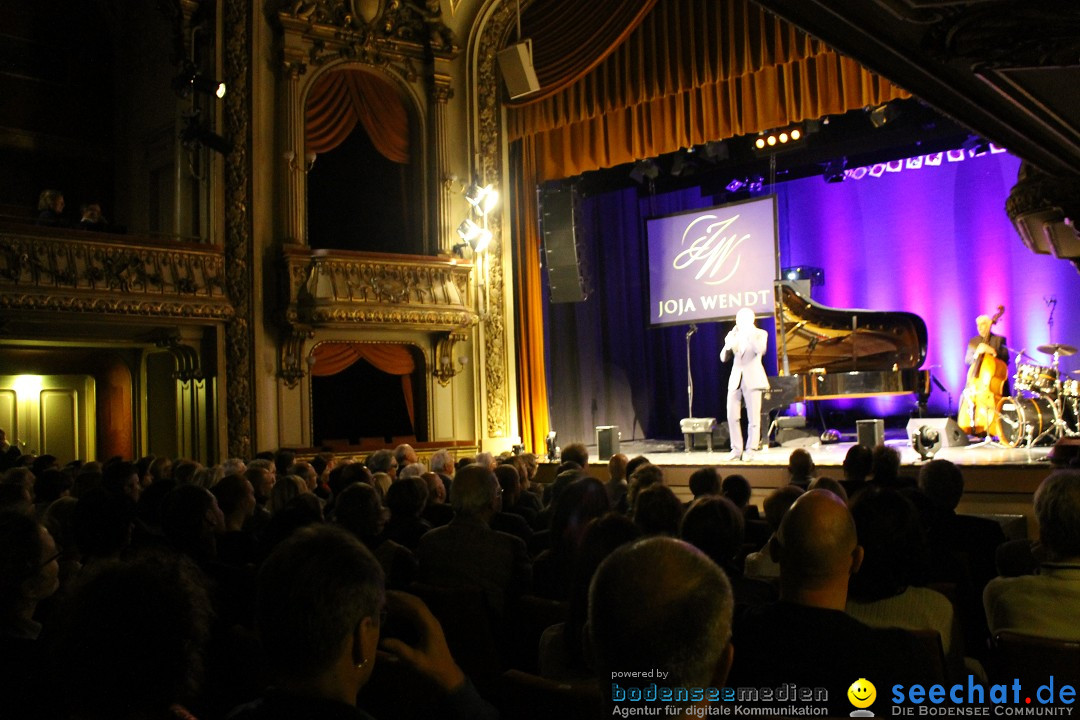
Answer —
1024 418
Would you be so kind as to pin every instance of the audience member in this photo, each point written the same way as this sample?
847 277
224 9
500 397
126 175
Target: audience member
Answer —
285 489
510 482
575 452
360 511
103 524
858 464
1045 604
29 573
679 621
404 455
92 218
382 461
616 484
705 481
886 591
319 614
561 654
236 499
437 512
885 468
800 468
657 511
583 499
715 526
132 637
827 483
467 552
644 476
51 209
807 638
762 564
406 499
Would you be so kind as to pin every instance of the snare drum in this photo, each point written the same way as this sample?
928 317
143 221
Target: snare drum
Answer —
1035 378
1022 418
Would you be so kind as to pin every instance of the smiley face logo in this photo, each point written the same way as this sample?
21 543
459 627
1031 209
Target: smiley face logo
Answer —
862 693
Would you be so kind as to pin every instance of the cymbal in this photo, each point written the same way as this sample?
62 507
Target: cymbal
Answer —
1057 349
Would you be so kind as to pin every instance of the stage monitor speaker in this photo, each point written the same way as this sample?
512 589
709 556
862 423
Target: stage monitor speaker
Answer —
518 72
559 217
870 433
607 441
950 433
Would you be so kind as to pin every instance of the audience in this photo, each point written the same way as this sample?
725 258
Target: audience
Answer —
468 553
807 638
405 499
436 512
1045 604
762 564
680 620
705 481
657 511
360 511
616 484
800 468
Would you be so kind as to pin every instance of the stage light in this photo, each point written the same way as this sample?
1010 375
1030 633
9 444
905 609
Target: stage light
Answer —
914 163
735 185
856 174
894 166
644 169
994 149
189 78
482 199
756 185
759 143
717 150
877 170
783 137
934 159
771 140
194 135
976 146
954 155
834 170
795 134
480 243
468 230
815 275
927 441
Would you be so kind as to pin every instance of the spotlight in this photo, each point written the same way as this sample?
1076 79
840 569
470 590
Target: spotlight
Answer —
882 115
759 143
857 174
934 159
913 163
771 140
927 441
644 169
954 155
894 166
783 137
877 170
194 135
976 146
469 231
189 78
735 185
834 170
483 199
795 134
755 185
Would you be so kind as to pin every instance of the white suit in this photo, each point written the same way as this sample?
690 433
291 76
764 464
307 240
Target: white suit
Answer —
748 378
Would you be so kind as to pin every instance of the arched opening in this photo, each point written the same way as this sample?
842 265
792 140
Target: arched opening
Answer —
361 180
367 391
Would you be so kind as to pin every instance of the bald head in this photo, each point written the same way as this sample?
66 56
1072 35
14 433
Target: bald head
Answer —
816 544
680 620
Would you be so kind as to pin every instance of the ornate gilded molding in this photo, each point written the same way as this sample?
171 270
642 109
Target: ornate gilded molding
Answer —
326 288
446 365
1010 35
409 21
84 274
239 254
188 365
490 158
292 355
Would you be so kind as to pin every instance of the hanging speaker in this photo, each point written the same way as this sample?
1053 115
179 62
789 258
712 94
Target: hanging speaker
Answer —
518 73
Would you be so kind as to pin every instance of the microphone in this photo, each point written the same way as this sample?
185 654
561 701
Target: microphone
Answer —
691 331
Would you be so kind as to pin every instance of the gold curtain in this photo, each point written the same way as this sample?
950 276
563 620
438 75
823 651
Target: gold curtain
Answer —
692 71
333 357
571 37
532 382
341 98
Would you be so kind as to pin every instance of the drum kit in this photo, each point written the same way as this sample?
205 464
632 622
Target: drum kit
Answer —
1045 406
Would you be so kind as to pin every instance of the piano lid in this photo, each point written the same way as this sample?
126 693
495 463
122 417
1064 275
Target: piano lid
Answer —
842 339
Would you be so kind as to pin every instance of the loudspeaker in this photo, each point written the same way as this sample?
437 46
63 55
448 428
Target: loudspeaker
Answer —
516 65
871 433
559 218
950 432
607 441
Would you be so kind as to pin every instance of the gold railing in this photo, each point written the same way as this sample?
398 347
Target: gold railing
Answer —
87 272
339 287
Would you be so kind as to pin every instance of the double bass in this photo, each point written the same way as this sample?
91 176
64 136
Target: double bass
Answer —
986 379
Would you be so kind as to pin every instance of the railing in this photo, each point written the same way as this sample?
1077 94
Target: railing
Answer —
83 271
339 287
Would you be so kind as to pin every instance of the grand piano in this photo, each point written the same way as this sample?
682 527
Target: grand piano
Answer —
829 353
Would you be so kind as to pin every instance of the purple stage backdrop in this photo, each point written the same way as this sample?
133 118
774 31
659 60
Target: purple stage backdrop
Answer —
927 235
705 265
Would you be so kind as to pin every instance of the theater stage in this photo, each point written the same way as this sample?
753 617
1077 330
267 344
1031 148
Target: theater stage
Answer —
998 481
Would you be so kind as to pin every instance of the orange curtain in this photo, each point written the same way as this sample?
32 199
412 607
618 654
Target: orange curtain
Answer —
340 99
532 380
333 357
570 38
692 71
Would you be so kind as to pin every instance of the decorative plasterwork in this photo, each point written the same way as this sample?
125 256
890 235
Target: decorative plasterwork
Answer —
489 154
80 274
342 32
328 288
239 254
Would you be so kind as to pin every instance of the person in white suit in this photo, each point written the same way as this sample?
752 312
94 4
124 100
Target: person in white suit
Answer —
746 344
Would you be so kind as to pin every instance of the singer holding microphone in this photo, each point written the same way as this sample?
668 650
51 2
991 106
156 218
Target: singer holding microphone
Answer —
746 344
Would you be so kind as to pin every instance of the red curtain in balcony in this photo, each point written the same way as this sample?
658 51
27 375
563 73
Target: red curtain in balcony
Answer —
340 99
333 357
